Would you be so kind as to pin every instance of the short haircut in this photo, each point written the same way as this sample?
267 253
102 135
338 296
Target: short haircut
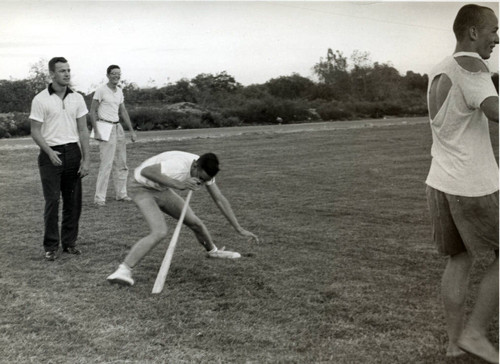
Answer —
209 163
468 16
111 68
53 61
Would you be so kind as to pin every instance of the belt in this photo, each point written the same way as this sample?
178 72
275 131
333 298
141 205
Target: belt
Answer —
107 121
63 145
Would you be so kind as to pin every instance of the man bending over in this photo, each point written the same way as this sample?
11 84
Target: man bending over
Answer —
159 176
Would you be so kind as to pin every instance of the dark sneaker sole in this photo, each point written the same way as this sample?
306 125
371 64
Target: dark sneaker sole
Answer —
72 253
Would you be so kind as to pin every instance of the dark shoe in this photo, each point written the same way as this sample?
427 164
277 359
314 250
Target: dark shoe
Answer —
124 199
71 250
50 256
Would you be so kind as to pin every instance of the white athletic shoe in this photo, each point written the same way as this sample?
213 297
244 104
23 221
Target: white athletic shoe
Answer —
123 275
223 254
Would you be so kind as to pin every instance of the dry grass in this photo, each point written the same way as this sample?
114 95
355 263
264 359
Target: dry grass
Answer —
346 272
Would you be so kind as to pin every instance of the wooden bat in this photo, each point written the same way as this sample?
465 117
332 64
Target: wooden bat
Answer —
165 265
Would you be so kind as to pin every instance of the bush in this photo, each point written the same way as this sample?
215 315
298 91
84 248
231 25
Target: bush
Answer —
161 119
189 121
23 123
217 120
417 110
15 95
14 124
366 109
232 121
266 110
4 133
145 118
351 110
334 111
392 108
415 103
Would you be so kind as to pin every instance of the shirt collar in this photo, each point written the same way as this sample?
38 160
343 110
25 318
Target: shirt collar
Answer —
464 53
471 54
68 91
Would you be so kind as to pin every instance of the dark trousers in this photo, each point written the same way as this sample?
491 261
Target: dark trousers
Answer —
56 181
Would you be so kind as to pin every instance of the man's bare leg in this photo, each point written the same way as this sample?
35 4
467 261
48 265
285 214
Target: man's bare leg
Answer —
454 291
473 338
157 225
171 204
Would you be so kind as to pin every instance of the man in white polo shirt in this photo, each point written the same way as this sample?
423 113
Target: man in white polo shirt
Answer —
59 127
158 177
462 185
107 106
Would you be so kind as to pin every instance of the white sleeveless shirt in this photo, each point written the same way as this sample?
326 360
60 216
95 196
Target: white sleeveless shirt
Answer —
463 162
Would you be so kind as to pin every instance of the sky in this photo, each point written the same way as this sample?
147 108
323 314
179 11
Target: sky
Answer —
160 42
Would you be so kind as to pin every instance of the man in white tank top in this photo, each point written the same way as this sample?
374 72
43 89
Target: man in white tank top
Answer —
462 185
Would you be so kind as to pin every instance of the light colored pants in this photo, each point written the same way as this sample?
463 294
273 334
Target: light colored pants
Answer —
113 155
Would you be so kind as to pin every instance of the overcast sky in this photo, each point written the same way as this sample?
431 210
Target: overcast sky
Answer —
164 41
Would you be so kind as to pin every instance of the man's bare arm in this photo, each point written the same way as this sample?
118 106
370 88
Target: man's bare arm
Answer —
93 118
224 206
438 93
125 116
36 134
490 108
153 173
83 133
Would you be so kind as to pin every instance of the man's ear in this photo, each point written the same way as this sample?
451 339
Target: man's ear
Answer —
473 33
194 166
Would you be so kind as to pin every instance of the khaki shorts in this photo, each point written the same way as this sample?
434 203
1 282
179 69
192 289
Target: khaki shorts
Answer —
463 224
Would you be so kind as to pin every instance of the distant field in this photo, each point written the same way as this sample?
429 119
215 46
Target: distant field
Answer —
345 272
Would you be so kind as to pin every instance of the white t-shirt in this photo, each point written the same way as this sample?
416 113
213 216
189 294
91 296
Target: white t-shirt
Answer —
174 164
109 103
58 115
463 162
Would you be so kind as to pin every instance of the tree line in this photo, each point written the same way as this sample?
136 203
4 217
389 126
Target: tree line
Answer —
354 86
346 88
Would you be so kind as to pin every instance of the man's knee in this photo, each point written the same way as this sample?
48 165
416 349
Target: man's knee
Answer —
159 233
142 197
52 199
147 204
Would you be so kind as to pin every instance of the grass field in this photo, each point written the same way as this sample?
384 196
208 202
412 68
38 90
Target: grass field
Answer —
345 273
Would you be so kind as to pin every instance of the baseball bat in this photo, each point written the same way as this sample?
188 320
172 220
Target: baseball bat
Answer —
165 265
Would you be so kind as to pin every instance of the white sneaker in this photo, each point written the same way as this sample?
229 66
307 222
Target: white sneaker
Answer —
123 275
223 254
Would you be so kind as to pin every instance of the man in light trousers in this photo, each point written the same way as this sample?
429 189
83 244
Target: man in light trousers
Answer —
107 107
